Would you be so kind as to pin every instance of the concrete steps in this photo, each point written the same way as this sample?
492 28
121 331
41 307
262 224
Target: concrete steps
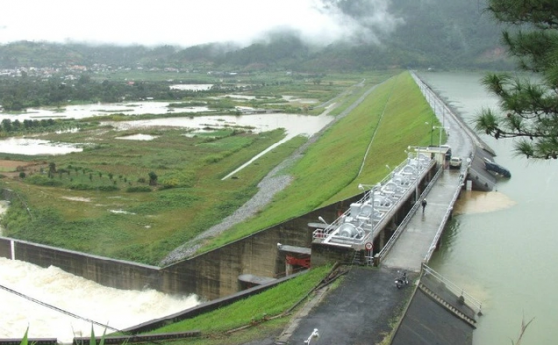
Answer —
447 305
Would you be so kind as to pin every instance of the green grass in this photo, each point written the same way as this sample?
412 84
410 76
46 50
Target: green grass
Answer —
156 222
396 111
270 303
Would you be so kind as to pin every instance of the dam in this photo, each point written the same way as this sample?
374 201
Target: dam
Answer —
355 230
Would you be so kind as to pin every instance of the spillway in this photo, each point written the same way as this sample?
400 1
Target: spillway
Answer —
90 301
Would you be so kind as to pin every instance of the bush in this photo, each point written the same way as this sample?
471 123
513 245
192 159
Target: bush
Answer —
41 180
214 158
178 179
107 188
81 186
138 189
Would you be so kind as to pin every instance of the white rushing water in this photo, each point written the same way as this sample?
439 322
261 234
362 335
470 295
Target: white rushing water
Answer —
118 309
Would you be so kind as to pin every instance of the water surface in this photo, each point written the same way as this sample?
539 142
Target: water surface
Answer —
501 246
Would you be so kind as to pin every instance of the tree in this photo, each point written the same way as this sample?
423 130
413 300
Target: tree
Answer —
529 105
152 179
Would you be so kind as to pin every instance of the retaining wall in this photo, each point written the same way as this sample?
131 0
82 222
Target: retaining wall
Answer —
210 275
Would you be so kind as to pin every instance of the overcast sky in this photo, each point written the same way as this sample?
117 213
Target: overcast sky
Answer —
176 22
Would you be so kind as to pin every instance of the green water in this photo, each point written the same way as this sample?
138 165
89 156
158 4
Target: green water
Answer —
505 252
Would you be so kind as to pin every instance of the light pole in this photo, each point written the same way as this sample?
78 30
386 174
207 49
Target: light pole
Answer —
440 138
431 130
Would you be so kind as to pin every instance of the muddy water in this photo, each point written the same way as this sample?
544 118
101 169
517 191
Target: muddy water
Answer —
293 124
501 246
101 109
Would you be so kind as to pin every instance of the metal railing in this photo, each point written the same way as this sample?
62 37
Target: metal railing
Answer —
469 300
444 220
385 250
323 234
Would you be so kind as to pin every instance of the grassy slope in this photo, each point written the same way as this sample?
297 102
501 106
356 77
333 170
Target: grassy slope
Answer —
396 111
272 302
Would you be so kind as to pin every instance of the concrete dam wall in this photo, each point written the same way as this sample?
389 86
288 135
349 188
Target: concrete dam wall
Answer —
210 275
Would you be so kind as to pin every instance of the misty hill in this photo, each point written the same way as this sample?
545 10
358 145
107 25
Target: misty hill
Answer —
423 33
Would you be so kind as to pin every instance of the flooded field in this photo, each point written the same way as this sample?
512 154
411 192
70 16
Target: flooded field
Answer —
32 147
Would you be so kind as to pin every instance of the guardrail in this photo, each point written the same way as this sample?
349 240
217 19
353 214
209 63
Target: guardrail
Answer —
469 300
444 220
36 341
143 338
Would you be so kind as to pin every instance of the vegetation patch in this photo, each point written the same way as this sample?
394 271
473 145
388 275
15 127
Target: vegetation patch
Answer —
254 310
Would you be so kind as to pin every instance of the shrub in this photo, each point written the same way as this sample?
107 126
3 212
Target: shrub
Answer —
214 158
178 179
41 180
81 186
108 188
138 189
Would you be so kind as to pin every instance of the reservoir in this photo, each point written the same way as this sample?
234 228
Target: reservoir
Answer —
501 246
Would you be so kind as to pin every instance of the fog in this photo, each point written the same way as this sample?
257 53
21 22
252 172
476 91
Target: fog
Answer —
187 23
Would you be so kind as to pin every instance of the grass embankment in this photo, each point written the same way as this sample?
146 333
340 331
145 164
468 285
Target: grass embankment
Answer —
389 120
270 304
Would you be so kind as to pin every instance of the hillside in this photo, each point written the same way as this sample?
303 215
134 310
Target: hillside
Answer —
441 34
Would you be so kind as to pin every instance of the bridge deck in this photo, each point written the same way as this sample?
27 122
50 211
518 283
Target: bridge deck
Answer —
411 247
413 244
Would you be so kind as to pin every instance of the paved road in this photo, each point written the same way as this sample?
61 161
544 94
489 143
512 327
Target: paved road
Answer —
359 311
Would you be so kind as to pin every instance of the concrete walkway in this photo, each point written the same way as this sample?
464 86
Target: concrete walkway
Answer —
413 245
410 249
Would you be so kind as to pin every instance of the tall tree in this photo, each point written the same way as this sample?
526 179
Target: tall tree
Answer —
529 104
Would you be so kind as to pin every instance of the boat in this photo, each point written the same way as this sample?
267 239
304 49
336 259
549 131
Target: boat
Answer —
496 169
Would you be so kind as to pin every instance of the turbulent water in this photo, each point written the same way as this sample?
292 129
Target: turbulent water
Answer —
501 245
118 309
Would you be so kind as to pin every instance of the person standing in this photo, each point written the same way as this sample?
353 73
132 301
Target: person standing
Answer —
423 203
